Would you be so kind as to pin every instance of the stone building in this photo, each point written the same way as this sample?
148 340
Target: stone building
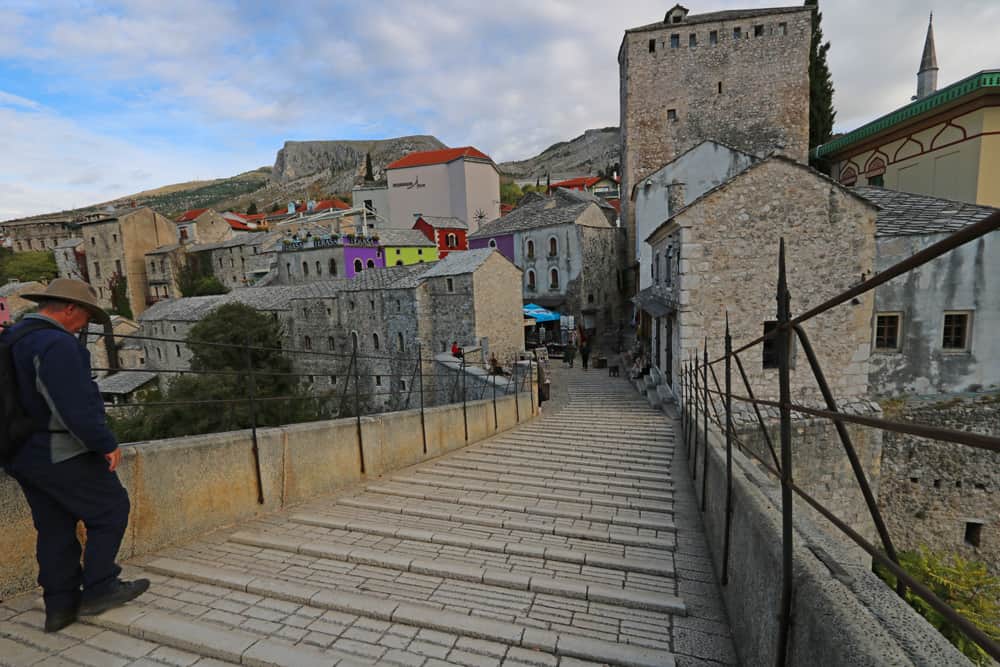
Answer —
718 255
71 259
736 76
12 306
116 245
374 197
241 261
461 183
945 143
202 225
934 326
569 252
163 266
42 232
383 313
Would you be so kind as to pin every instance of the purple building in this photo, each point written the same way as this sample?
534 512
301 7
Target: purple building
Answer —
502 242
359 258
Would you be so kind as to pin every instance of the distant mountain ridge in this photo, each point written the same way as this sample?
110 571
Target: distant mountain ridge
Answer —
591 152
309 168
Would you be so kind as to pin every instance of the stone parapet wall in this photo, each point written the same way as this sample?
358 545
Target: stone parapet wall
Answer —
182 488
932 491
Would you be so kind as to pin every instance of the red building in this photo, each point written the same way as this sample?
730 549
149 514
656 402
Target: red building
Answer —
448 233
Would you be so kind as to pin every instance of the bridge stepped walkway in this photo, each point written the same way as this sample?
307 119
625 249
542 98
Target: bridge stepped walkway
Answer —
571 540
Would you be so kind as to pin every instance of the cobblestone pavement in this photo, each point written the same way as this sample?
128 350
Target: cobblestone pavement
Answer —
567 541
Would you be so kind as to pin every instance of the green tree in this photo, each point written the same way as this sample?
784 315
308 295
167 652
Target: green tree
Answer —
369 173
194 279
118 286
24 266
821 111
966 586
206 399
252 208
275 207
510 193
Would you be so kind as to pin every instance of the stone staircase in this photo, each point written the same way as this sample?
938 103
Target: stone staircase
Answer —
567 541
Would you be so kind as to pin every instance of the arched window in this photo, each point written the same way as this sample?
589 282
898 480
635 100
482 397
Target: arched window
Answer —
333 266
178 349
354 340
849 176
553 246
554 278
330 343
319 271
288 268
305 268
399 342
655 268
307 343
375 341
452 241
531 249
399 262
358 266
531 279
493 243
371 263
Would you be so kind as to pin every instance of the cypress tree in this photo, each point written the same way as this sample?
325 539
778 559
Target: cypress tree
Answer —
821 112
369 174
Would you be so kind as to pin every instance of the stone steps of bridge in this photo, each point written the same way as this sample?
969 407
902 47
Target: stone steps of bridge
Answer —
557 474
516 477
580 452
436 479
505 525
642 519
651 474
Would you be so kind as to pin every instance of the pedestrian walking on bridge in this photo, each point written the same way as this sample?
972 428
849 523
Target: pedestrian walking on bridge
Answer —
66 466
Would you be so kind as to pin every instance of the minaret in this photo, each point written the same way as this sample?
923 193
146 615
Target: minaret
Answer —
927 76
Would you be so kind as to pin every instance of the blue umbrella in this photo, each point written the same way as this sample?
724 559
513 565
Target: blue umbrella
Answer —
539 314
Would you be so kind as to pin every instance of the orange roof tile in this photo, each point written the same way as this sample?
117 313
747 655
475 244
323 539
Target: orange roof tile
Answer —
442 156
188 216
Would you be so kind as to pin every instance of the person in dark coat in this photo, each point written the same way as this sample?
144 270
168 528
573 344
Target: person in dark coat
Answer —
585 352
569 353
66 467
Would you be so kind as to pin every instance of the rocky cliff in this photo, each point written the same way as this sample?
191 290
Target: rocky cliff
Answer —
591 152
340 163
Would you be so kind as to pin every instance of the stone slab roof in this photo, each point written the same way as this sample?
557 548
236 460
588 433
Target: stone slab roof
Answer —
457 263
443 222
563 207
194 308
251 239
164 249
392 237
68 243
124 382
15 288
908 214
392 277
655 300
725 15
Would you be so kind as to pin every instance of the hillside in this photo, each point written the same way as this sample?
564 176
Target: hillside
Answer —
589 153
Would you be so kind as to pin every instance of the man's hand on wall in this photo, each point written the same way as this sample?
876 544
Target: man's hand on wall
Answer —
114 458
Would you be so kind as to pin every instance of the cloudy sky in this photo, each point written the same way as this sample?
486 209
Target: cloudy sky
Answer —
102 99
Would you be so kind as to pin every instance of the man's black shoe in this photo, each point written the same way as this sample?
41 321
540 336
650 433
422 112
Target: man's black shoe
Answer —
119 593
57 620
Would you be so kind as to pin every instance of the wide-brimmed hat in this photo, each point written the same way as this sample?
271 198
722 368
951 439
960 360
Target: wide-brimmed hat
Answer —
71 291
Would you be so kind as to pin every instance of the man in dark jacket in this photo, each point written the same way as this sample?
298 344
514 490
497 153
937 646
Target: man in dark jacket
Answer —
66 468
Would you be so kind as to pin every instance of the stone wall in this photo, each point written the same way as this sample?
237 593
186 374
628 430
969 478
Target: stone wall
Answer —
729 243
498 308
934 493
182 488
750 92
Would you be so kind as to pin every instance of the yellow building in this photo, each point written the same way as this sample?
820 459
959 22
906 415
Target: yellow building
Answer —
946 143
402 247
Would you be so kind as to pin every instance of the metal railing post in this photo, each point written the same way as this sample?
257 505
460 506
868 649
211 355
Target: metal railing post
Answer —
493 382
729 453
694 425
465 412
252 392
782 340
704 446
420 373
756 409
684 400
357 414
517 397
852 456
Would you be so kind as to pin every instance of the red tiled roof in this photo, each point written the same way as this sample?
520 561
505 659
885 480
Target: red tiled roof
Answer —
506 208
239 226
324 204
188 216
617 203
442 156
576 183
255 216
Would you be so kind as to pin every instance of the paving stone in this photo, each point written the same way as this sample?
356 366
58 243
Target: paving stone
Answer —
18 654
472 659
265 653
88 655
543 640
428 649
49 642
617 654
226 644
406 659
174 656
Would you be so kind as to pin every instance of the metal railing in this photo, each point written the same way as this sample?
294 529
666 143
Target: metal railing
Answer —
698 399
447 383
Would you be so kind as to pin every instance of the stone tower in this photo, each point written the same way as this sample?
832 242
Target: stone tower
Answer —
740 77
927 76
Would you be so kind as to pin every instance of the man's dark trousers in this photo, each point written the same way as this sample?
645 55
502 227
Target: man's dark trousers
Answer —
60 494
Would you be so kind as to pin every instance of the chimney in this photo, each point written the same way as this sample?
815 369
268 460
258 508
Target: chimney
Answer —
675 197
927 75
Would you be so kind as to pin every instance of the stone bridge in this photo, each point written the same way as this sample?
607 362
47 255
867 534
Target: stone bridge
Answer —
572 539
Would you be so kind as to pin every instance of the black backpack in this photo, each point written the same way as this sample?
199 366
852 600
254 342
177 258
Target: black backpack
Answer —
15 424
